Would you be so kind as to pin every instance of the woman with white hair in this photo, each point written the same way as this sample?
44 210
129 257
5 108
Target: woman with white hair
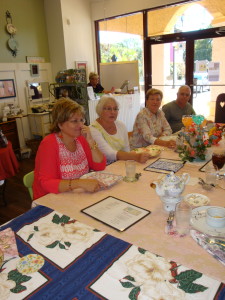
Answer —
111 134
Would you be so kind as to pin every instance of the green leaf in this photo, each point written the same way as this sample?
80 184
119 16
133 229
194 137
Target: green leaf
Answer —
18 289
141 250
56 219
192 288
68 244
30 237
96 230
134 293
18 277
61 246
128 277
64 219
188 276
127 284
36 228
53 245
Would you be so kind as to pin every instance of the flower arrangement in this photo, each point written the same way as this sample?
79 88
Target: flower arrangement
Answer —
193 143
215 133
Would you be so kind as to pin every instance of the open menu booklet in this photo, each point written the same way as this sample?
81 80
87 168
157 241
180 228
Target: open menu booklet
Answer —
116 213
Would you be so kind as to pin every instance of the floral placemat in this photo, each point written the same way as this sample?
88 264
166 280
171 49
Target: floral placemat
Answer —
65 259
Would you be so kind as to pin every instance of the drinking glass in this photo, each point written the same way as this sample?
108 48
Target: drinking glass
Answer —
187 120
183 215
218 158
130 170
210 174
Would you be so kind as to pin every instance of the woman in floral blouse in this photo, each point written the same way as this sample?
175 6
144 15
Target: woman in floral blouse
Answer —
151 124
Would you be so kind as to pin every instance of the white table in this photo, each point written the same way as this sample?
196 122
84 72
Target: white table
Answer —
129 108
149 233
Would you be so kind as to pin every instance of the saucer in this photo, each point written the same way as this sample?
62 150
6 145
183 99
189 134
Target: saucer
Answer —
198 222
196 199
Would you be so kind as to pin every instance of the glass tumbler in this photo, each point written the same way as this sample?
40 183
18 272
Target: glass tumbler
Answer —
183 216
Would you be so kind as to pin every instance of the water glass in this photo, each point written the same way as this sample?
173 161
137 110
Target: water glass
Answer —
183 216
130 170
210 174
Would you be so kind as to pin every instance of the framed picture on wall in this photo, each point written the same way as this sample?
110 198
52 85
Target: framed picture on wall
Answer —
7 88
81 65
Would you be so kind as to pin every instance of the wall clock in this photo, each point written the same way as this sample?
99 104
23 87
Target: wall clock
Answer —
11 29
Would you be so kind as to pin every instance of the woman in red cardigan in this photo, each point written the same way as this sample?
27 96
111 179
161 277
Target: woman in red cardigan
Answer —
67 153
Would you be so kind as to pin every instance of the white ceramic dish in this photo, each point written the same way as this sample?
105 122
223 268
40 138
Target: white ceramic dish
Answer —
198 222
107 178
215 216
168 138
153 151
196 199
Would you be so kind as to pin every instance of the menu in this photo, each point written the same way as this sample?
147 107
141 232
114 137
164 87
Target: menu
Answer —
163 165
116 213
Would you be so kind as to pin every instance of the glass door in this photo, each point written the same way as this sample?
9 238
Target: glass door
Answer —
168 68
209 75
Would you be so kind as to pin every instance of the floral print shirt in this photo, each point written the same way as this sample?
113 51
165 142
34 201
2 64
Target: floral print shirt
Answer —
148 127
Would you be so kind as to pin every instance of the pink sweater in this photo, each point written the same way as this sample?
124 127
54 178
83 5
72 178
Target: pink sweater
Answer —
47 174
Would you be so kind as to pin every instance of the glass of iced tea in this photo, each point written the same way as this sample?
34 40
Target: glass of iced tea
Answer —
218 158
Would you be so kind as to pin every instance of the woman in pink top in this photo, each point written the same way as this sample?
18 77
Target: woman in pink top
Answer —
67 153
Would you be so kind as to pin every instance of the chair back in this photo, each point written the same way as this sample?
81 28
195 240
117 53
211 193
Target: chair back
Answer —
220 109
28 182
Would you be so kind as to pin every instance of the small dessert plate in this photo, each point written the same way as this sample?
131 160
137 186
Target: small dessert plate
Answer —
196 199
198 222
107 178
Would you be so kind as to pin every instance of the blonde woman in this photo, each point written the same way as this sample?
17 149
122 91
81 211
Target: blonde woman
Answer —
151 124
111 135
67 153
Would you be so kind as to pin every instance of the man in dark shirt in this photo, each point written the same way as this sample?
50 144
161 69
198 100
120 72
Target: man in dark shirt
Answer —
175 110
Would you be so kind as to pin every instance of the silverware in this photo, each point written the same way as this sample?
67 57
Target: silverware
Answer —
170 218
206 186
214 241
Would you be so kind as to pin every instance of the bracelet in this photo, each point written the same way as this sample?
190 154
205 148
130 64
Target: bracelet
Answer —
94 146
70 187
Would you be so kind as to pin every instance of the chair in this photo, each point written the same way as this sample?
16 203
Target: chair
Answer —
220 109
28 181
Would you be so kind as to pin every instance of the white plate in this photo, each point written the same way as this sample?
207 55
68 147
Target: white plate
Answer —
153 151
198 222
107 178
196 200
168 138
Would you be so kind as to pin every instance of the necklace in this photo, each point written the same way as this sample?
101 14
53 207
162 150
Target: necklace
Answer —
71 146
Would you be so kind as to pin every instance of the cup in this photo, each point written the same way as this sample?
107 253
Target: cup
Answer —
130 170
210 174
183 216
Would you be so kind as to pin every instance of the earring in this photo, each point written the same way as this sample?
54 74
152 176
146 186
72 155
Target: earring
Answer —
60 135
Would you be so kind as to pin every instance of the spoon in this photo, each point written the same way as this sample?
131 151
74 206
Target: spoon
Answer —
206 186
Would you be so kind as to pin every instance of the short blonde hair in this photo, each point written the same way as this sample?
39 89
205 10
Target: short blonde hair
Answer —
62 111
103 101
92 75
154 92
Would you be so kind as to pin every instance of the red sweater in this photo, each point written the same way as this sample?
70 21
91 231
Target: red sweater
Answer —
47 175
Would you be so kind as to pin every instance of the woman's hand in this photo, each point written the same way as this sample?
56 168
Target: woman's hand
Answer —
142 157
171 144
85 131
91 185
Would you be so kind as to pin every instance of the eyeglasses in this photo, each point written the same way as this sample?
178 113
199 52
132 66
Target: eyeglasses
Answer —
76 121
111 108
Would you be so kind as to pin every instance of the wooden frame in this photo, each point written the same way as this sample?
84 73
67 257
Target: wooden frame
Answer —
7 88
